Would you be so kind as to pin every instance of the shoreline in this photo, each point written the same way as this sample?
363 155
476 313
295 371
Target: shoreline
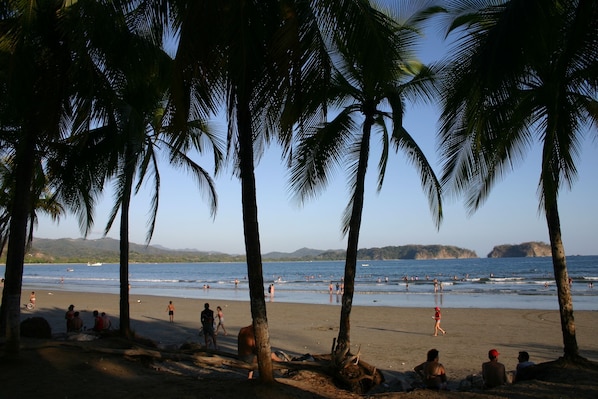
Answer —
394 339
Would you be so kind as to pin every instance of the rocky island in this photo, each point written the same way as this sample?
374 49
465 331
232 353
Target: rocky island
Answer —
526 249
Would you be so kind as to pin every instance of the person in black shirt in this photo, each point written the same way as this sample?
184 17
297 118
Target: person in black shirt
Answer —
207 323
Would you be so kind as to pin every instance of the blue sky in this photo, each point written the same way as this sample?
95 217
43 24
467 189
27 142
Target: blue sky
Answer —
398 215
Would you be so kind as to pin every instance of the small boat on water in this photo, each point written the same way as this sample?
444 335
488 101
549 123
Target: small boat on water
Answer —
365 265
94 264
70 269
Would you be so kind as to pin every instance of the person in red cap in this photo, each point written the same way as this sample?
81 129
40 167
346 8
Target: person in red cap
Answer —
493 371
437 317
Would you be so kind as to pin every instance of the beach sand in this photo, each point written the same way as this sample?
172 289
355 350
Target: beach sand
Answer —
393 339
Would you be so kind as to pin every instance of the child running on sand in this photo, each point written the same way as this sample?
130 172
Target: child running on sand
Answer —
437 317
220 320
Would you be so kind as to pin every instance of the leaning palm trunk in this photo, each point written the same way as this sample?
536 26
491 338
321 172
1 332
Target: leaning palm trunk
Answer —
252 244
343 345
559 264
15 255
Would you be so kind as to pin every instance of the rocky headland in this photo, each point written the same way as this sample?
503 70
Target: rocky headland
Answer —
526 249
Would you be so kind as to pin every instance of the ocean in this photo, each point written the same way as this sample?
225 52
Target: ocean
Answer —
509 283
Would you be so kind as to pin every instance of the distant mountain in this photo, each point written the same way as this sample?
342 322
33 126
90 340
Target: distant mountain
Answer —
526 249
106 250
298 254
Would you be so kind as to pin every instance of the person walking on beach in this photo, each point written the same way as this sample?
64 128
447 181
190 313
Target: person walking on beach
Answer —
437 317
207 323
170 310
493 372
220 320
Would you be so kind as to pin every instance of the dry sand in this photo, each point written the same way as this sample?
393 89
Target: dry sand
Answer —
393 339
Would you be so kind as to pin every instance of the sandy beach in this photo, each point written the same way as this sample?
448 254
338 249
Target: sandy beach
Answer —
392 339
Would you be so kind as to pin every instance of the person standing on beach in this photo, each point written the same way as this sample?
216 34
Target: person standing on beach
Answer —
207 323
220 320
437 317
493 372
170 310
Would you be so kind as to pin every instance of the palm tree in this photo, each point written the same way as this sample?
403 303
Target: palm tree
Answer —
132 132
375 78
140 115
38 46
256 60
43 201
523 70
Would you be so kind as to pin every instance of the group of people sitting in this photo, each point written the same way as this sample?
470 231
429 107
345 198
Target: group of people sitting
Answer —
101 322
494 374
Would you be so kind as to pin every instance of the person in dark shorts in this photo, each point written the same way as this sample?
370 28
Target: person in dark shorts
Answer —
207 323
170 309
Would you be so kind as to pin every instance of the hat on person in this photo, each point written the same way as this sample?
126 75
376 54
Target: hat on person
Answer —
436 308
493 353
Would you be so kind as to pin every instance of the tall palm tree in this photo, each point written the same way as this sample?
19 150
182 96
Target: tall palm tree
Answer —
256 60
376 76
142 137
133 131
42 53
43 201
523 71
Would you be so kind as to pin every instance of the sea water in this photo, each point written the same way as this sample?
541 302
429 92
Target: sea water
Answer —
516 283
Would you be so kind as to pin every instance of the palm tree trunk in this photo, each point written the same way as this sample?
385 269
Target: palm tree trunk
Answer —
125 317
252 243
559 264
343 345
15 255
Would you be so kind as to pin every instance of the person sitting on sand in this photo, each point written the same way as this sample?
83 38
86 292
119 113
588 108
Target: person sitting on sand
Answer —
106 323
247 350
523 367
493 372
76 323
432 372
98 322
